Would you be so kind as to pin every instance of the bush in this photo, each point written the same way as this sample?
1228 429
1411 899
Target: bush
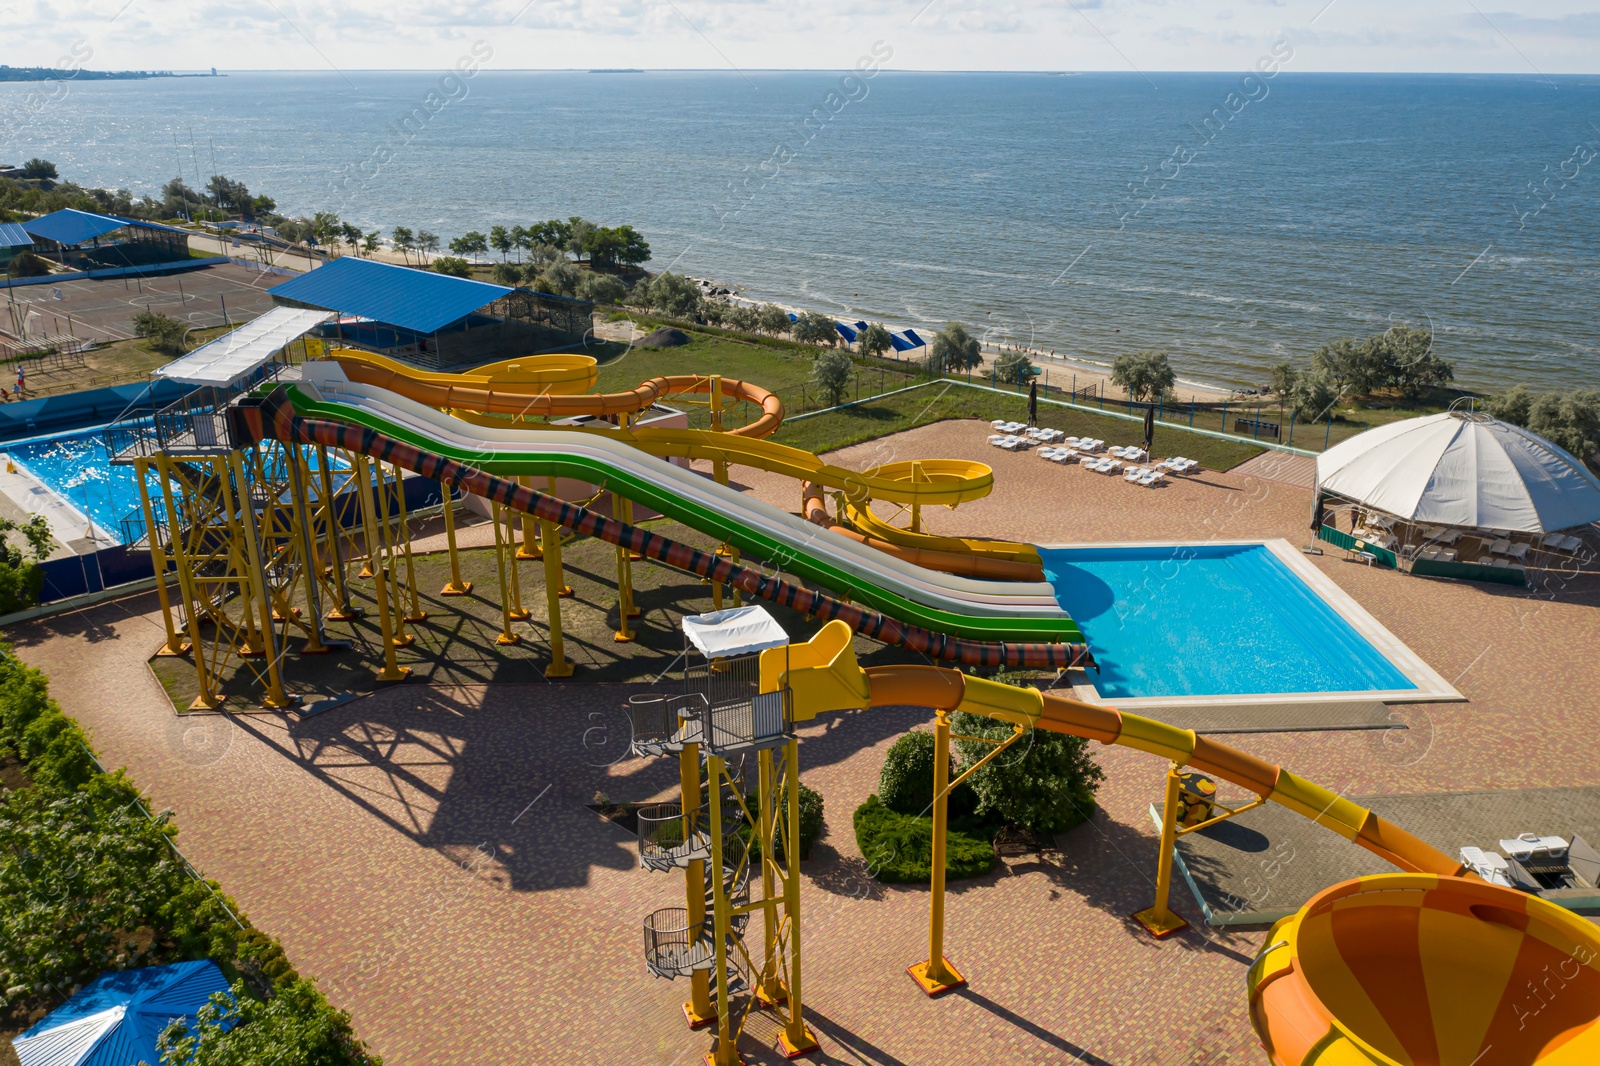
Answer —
814 327
602 289
1045 781
905 784
954 350
165 333
508 274
21 579
296 1025
898 847
1568 419
29 265
671 293
811 821
874 340
1313 397
832 372
1013 368
452 265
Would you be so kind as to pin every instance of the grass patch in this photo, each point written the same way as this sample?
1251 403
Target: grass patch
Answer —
898 847
118 363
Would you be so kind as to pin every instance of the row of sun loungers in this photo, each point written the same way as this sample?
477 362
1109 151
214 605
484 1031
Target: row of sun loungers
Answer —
1016 436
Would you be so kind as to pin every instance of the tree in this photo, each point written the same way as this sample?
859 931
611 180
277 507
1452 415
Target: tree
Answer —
954 350
296 1025
500 240
874 340
578 231
470 243
1313 397
519 240
509 274
454 266
1342 364
1283 378
37 168
602 289
21 579
673 294
350 233
1569 419
325 226
427 243
1044 781
831 372
1145 375
230 195
166 334
403 240
1013 368
178 199
372 241
635 249
905 784
560 278
814 327
770 318
553 232
1409 362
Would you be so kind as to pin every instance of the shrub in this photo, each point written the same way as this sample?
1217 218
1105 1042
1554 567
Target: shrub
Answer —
452 265
507 274
296 1025
898 847
29 265
811 821
770 318
874 340
1568 419
165 333
905 784
602 289
832 372
954 350
672 293
814 327
1044 781
21 579
1313 397
1013 368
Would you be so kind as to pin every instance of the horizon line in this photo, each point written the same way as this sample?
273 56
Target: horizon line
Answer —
220 72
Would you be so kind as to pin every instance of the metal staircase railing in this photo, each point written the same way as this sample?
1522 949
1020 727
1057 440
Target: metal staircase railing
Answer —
662 724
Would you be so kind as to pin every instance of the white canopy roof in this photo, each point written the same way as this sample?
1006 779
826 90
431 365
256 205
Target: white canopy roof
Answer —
736 631
233 355
1463 469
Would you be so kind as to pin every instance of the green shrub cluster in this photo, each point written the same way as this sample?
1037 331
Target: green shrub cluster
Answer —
810 822
1043 781
898 847
89 882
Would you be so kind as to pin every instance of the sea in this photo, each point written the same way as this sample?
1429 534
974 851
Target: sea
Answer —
1235 221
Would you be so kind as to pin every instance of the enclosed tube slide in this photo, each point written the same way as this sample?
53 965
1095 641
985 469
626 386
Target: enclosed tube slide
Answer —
274 417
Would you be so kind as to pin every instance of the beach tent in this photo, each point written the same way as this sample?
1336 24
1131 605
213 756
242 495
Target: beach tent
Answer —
116 1019
911 335
899 343
847 332
1462 469
733 632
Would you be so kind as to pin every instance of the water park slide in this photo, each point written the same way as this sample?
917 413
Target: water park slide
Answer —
300 414
983 610
1429 966
512 388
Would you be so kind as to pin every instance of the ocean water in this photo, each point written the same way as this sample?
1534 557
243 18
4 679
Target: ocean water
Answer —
1093 214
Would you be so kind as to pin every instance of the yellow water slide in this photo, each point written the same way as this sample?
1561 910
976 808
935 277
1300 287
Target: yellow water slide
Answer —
1430 967
557 386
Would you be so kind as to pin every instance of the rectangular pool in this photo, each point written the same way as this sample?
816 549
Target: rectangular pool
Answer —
1226 619
78 468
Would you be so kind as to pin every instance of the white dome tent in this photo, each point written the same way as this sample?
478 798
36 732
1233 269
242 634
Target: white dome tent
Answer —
1458 488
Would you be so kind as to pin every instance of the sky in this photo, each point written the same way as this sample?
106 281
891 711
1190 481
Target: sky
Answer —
1478 36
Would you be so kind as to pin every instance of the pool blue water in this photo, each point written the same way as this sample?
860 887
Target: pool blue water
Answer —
1210 620
77 466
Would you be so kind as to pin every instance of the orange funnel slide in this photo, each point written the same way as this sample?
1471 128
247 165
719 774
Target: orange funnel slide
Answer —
1408 970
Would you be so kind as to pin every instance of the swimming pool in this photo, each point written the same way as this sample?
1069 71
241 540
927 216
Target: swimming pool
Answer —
1222 619
78 468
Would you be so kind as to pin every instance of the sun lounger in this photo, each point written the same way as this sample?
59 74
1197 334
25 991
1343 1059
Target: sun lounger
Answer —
1152 479
1134 473
1518 552
1488 865
1501 546
998 423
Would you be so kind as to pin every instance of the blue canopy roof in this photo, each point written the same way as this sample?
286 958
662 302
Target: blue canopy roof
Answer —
70 226
393 295
911 335
12 235
847 332
116 1019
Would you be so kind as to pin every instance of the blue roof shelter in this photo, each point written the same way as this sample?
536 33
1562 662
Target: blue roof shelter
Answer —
116 1019
431 319
83 238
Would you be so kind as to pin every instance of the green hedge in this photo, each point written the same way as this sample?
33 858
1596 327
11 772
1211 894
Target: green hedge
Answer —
810 821
89 882
898 847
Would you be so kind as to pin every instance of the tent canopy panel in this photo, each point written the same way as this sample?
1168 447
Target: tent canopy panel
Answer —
231 356
735 631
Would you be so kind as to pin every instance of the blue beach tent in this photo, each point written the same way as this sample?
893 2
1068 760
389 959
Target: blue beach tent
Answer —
116 1019
846 332
911 335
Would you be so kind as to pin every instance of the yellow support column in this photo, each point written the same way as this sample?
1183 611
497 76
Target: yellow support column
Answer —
937 975
207 700
404 534
769 982
550 533
625 609
506 636
519 613
1158 920
917 478
257 585
725 1052
343 610
455 587
175 644
388 571
796 1039
698 1009
305 533
392 670
528 550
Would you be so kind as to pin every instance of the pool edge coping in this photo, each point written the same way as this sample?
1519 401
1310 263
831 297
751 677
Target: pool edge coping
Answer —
1431 687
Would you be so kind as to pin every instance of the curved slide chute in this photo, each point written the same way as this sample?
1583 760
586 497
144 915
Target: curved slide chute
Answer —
275 417
980 610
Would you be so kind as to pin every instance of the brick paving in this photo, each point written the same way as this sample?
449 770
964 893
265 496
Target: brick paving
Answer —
424 852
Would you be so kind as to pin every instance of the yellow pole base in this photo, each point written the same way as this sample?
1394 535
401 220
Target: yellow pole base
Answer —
400 672
793 1049
405 641
1159 924
634 612
566 592
521 616
767 1000
206 703
167 650
278 703
366 571
506 639
730 1057
316 649
247 652
936 983
623 636
564 670
453 589
537 553
343 614
420 616
698 1021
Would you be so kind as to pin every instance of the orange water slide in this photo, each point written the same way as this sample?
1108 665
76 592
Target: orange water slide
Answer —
505 391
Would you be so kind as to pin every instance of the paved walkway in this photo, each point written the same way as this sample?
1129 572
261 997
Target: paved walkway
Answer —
425 853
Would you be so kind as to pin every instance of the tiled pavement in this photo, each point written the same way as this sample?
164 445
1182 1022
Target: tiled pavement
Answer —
426 855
